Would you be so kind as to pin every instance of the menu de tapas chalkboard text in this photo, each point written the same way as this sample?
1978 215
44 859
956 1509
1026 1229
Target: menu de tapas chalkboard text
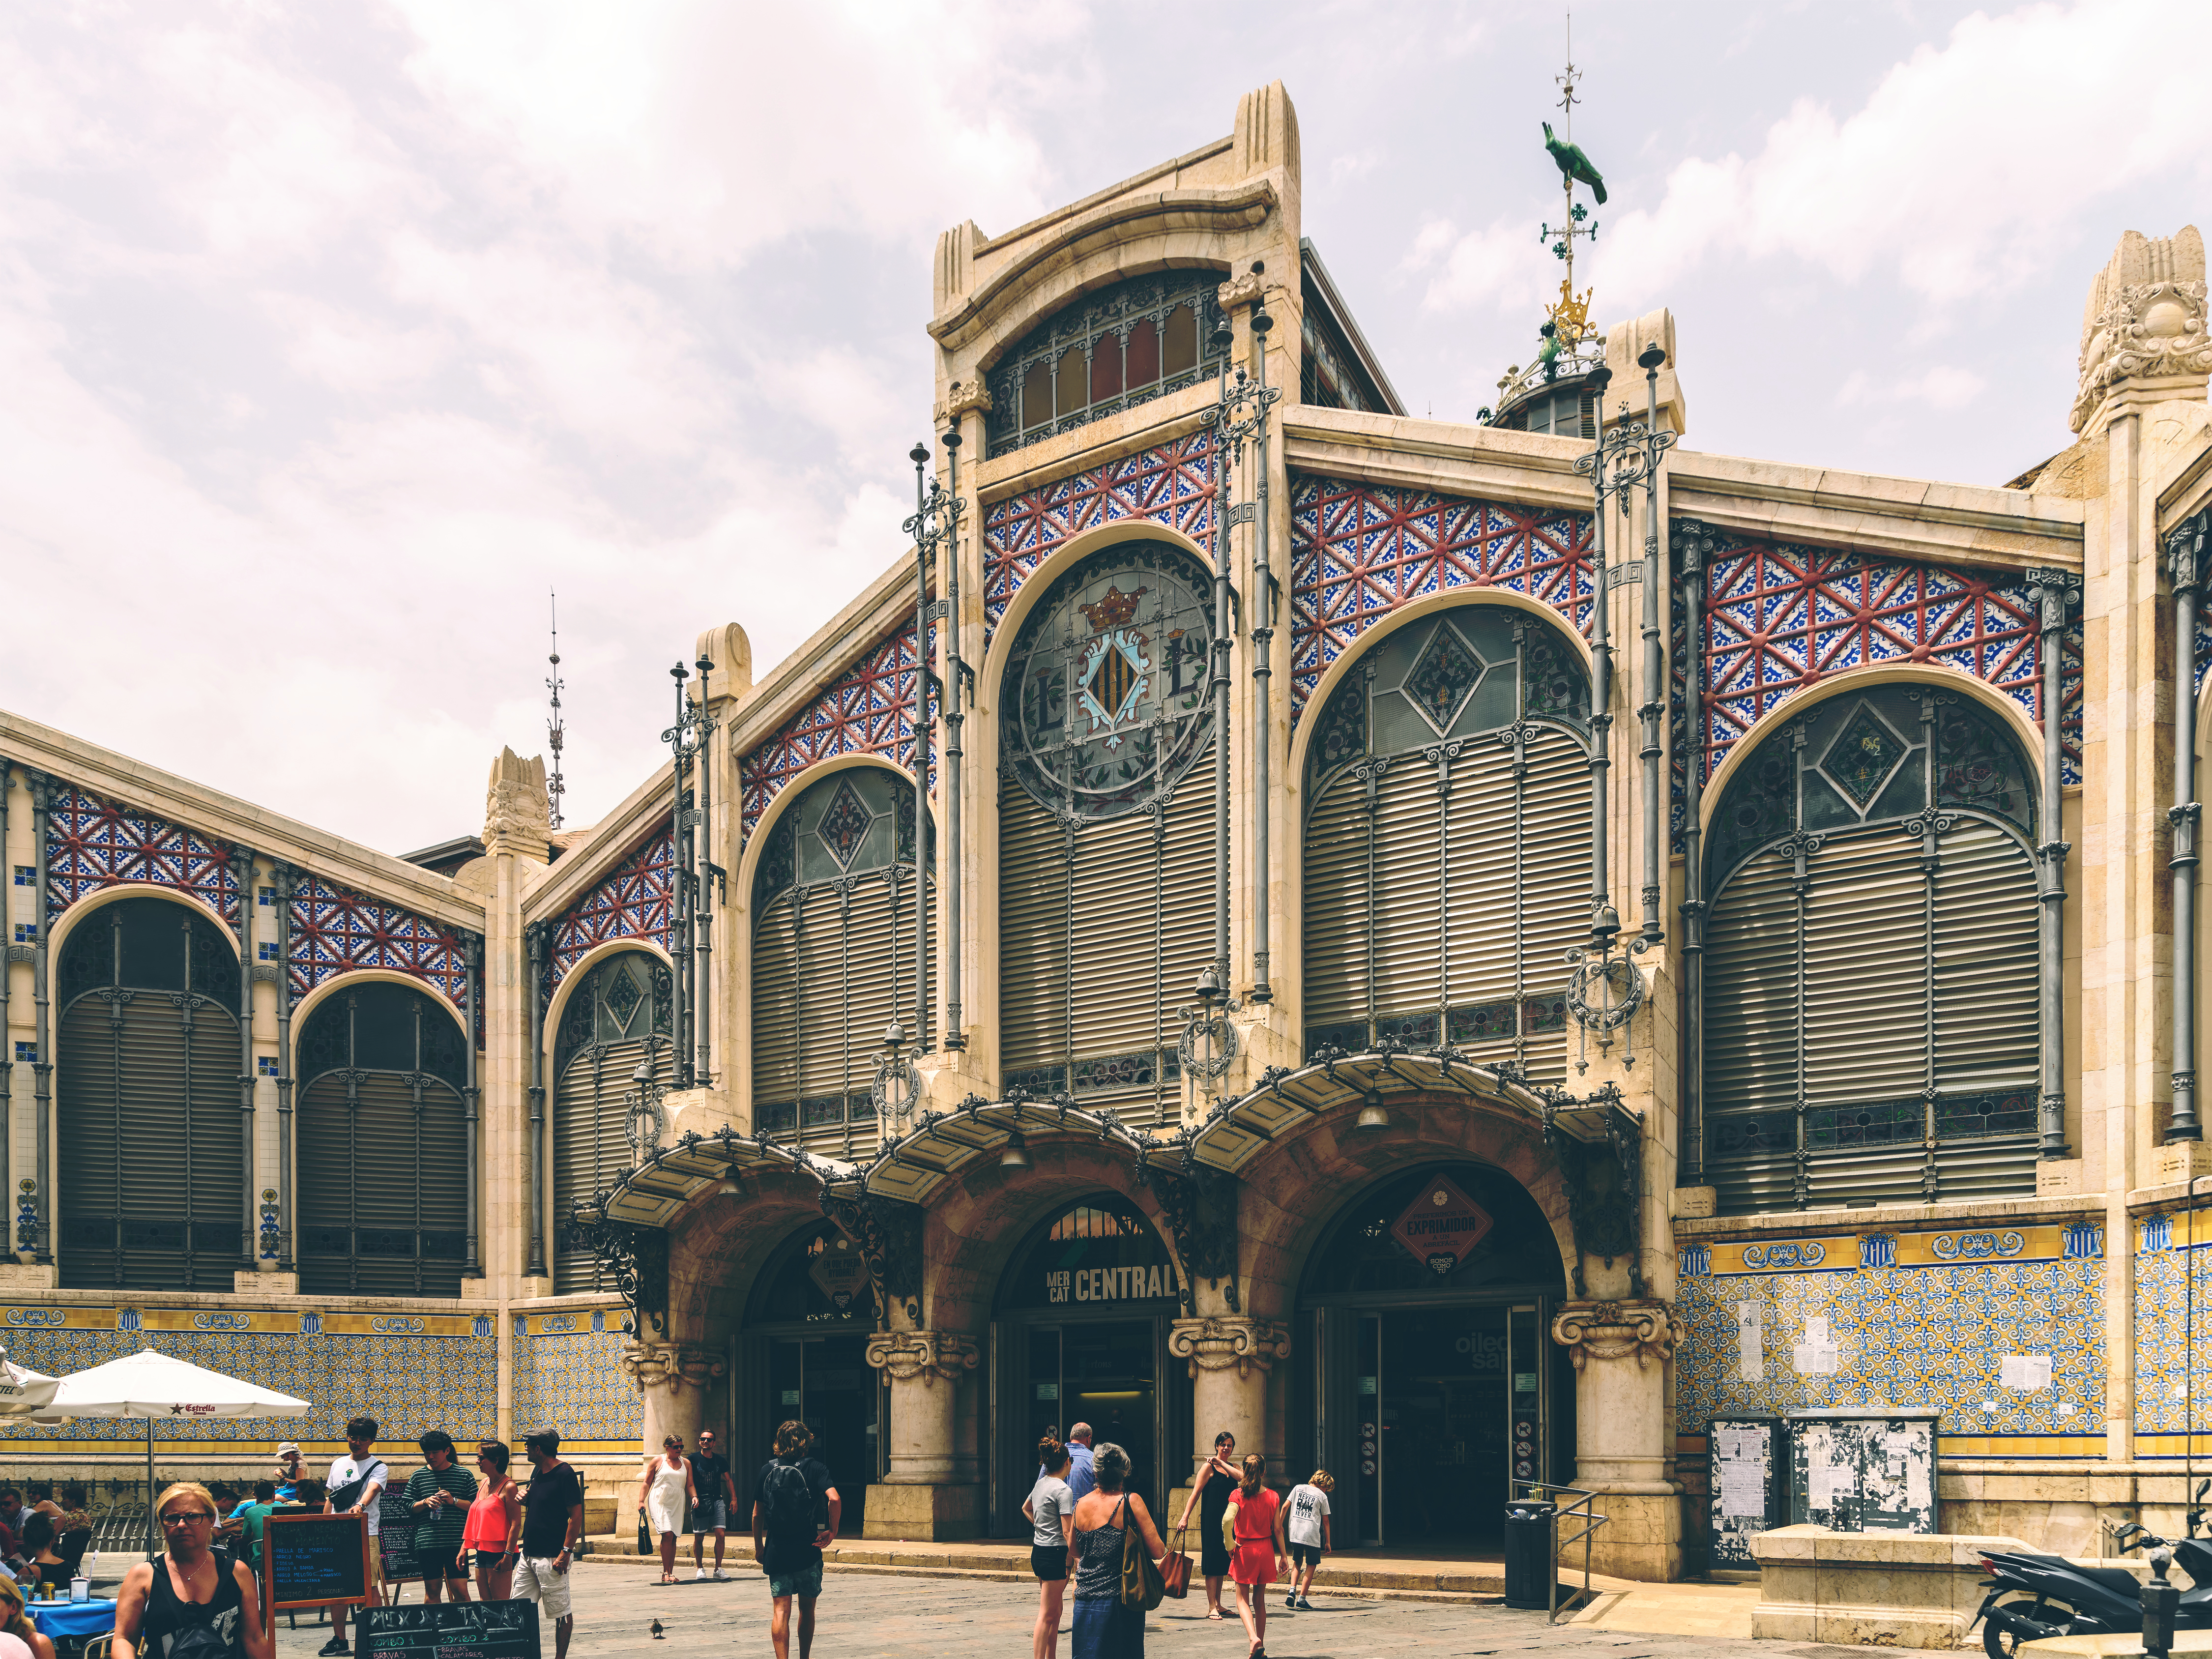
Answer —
395 1538
469 1630
315 1560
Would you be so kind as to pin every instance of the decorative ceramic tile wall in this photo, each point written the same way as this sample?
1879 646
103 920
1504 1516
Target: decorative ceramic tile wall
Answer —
1359 551
1171 484
1960 1321
867 710
573 1380
2174 1318
409 1384
94 843
335 929
631 900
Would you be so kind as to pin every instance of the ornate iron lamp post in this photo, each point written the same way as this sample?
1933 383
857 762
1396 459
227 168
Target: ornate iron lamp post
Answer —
897 1087
691 873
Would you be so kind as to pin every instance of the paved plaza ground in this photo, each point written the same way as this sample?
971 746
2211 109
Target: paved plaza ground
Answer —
900 1615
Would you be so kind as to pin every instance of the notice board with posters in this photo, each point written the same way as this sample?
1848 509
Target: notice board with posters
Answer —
1750 1482
1863 1469
466 1629
315 1560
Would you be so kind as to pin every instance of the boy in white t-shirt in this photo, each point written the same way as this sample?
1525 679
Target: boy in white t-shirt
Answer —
1305 1524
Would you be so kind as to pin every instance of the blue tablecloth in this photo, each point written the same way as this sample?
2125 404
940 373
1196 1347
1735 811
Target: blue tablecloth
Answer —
73 1618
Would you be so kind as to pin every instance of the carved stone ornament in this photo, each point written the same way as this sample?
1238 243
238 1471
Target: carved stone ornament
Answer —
903 1356
965 397
668 1365
1614 1330
2145 319
515 816
1212 1344
1241 291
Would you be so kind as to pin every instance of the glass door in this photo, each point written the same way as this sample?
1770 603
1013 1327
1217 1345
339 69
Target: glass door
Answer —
1102 1374
826 1381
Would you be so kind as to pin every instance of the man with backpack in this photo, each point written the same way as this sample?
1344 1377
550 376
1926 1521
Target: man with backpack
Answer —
795 1513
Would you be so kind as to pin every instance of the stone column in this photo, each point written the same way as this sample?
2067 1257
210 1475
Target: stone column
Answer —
1620 1352
931 1492
1230 1357
672 1378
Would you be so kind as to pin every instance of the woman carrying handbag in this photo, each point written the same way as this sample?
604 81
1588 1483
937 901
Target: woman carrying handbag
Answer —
1116 1546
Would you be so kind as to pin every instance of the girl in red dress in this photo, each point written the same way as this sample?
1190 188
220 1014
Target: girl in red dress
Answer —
1256 1520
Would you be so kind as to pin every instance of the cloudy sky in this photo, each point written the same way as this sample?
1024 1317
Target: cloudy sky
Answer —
332 338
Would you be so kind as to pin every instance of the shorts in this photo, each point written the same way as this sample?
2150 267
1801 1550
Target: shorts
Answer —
805 1584
1049 1562
711 1515
535 1580
488 1560
1305 1555
435 1563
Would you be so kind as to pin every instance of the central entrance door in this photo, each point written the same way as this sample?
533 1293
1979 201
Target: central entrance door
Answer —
1081 1337
1431 1387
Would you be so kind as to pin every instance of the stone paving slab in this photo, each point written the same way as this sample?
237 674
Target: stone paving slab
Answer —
910 1618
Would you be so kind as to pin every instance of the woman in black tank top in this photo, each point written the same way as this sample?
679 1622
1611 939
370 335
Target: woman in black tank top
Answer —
191 1603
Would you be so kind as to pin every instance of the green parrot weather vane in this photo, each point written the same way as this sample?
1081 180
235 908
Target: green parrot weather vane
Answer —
1569 318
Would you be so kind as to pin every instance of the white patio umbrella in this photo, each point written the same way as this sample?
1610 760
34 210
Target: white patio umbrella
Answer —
158 1388
23 1392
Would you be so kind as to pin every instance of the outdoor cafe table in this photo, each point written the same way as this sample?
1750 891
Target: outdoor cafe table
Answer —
72 1621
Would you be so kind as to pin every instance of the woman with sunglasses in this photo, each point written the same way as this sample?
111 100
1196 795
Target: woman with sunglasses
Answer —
189 1602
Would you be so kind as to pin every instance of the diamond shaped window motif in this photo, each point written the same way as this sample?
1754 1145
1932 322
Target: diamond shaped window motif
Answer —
623 998
1442 680
1863 756
844 826
1113 677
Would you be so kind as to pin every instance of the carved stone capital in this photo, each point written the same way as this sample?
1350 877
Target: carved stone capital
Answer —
1239 290
903 1356
2145 321
965 397
1217 1343
1614 1330
668 1365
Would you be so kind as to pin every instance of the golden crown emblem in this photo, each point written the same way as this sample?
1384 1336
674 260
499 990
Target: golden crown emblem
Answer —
1111 612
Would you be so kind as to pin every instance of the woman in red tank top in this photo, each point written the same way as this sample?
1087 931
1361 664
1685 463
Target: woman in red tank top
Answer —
1255 1517
495 1518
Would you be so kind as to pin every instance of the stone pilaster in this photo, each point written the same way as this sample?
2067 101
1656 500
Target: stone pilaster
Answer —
931 1491
1620 1352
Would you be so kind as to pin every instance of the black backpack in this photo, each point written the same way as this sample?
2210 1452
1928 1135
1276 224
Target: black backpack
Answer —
789 1506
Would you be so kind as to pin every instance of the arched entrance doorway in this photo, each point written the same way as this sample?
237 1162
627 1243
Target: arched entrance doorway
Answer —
1432 1384
1081 1336
802 1352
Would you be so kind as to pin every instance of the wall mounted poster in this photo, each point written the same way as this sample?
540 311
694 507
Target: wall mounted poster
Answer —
1441 1225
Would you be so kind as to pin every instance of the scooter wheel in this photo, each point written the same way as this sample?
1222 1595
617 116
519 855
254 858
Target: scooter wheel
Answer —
2000 1642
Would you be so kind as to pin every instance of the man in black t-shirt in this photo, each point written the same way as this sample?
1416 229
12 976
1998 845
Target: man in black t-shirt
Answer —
795 1513
552 1525
714 1496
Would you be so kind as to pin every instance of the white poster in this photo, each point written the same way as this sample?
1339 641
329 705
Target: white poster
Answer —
1743 1489
1750 1342
2025 1372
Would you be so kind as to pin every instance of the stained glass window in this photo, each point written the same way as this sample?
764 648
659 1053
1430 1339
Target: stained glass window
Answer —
1110 350
1109 680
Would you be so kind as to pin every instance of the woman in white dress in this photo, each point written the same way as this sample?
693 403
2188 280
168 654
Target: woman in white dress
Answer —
661 1497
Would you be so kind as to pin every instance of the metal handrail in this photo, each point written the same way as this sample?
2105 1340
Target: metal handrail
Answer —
1543 1491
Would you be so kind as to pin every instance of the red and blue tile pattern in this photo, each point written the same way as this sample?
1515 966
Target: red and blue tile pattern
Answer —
635 900
336 930
867 710
1359 551
93 842
1170 484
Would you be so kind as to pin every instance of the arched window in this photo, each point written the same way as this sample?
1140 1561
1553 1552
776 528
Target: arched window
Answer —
1105 838
1112 348
619 1018
383 1147
1447 841
1870 1019
152 1178
832 954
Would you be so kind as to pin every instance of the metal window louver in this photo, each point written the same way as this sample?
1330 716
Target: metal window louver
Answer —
150 1186
601 1040
1871 1011
1446 846
383 1149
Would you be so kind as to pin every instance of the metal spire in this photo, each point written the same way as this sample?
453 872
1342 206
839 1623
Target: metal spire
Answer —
555 733
1566 84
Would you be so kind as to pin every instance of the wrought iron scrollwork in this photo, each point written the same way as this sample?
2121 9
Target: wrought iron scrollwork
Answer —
635 1258
1603 1179
889 1233
1200 1206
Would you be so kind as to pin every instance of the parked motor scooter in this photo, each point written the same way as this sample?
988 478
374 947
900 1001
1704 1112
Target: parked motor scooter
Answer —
2035 1596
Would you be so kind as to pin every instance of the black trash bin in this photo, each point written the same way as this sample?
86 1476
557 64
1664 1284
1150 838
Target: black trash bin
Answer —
1529 1553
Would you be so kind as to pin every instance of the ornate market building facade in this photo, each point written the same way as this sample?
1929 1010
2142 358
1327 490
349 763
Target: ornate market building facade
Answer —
1436 947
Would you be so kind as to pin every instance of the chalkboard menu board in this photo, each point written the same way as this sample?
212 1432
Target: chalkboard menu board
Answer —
313 1560
471 1629
395 1538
